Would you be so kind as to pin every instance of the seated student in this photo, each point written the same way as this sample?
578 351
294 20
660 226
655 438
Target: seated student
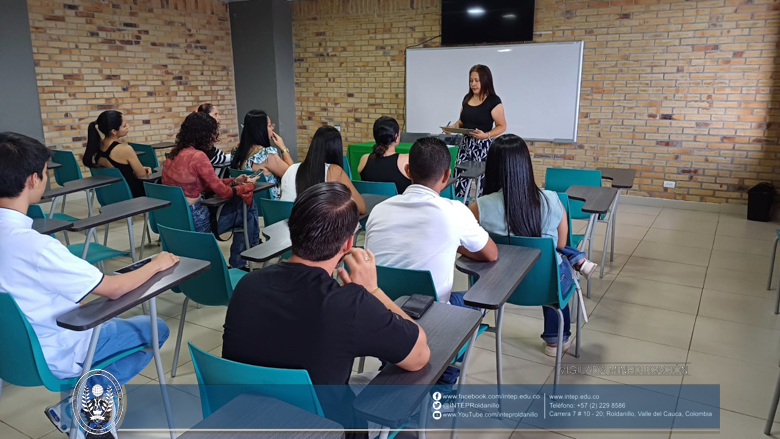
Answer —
189 168
215 155
108 152
514 204
384 164
325 154
294 315
255 152
46 280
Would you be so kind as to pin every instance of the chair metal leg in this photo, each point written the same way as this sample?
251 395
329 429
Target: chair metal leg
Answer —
178 338
586 240
105 237
361 364
158 365
67 239
772 265
604 252
132 238
468 191
613 217
144 232
463 371
559 350
143 309
62 208
499 365
579 324
770 419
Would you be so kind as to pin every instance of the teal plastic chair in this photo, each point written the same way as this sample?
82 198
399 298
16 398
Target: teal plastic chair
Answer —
374 187
275 210
149 158
35 211
214 287
21 359
347 168
220 381
572 240
449 192
559 180
176 216
541 286
69 171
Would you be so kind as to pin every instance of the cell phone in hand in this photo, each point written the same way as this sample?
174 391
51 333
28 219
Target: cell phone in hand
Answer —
255 174
416 305
134 266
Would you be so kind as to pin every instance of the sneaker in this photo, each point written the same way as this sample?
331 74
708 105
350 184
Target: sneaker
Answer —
586 268
62 421
552 351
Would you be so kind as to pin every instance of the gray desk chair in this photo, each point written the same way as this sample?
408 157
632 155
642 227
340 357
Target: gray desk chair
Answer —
412 137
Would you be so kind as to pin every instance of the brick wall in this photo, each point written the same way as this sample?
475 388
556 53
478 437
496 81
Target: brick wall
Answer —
679 90
153 60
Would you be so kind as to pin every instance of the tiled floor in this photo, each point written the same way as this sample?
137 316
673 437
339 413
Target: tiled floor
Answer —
685 287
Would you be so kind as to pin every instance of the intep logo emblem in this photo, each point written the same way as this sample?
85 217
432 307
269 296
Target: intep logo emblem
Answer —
98 402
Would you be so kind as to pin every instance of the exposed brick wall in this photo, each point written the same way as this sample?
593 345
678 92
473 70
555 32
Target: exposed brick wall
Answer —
679 90
153 60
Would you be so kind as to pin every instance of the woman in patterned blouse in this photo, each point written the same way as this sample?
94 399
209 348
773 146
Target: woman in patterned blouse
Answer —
262 149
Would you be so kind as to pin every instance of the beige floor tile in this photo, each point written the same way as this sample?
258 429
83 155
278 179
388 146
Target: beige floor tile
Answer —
742 262
212 317
685 225
482 369
739 282
22 409
521 338
693 215
635 208
623 246
744 245
642 322
202 337
673 253
635 219
739 308
663 271
613 267
749 392
655 294
689 239
741 228
622 230
748 343
8 432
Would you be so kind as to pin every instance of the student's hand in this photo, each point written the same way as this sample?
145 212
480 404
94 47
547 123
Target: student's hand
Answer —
362 269
252 179
241 179
148 170
479 134
164 261
278 141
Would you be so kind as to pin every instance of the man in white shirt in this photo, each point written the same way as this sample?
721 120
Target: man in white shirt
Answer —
46 280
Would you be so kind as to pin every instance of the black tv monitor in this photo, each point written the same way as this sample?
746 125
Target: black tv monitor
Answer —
466 22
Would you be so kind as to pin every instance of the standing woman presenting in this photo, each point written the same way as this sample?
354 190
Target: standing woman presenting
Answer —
483 112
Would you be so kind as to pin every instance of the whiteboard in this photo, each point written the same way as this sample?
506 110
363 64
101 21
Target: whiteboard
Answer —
539 85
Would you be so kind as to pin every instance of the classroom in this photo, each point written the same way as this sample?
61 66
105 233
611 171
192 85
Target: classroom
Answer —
538 219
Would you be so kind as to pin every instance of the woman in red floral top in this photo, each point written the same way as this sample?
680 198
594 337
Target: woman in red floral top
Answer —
189 167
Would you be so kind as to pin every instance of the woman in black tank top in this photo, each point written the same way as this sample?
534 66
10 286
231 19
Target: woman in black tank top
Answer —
384 164
117 155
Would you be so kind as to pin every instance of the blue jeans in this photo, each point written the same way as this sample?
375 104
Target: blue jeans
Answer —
119 335
550 334
231 217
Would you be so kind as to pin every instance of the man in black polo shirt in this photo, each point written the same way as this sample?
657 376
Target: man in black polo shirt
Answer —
294 315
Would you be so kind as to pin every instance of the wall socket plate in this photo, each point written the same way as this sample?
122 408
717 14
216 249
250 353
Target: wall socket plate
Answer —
669 184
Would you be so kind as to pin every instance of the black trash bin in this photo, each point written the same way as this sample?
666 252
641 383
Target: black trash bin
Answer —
760 198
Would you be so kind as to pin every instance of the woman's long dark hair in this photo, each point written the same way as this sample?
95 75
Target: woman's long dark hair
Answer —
509 167
485 82
199 131
255 132
385 131
325 148
107 121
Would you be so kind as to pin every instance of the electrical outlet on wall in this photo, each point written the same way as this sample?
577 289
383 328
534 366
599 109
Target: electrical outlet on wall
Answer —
669 184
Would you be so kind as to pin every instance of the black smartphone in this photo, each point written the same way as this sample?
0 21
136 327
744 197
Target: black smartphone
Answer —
416 305
256 173
134 266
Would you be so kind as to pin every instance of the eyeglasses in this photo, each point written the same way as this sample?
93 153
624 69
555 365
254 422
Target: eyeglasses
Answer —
273 125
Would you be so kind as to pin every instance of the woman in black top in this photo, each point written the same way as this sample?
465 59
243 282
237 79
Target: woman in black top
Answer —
483 112
108 152
384 164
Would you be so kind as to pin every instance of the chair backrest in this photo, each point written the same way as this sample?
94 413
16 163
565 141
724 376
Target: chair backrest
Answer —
397 282
175 216
213 286
70 169
541 285
149 157
559 180
113 193
449 192
565 202
347 168
35 211
375 187
412 137
275 211
23 363
221 380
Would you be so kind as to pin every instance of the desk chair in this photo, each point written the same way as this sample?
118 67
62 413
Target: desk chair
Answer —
347 168
221 380
115 193
375 187
176 216
449 192
771 270
214 287
275 210
412 137
21 359
36 211
559 180
542 287
69 171
149 157
571 241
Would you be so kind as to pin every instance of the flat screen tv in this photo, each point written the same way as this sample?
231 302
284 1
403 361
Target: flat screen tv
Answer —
486 21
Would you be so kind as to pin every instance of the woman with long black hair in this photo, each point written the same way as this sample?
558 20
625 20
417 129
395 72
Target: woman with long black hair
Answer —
514 204
262 149
384 164
108 152
323 163
483 112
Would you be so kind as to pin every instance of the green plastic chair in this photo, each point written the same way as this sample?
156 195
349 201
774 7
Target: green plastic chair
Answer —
541 286
275 210
449 193
347 168
220 381
214 287
572 240
149 158
559 180
35 211
176 216
21 359
374 187
69 171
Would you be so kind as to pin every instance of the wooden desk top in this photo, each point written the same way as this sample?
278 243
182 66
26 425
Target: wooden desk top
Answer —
154 177
597 199
79 185
621 178
215 201
47 226
163 145
278 235
471 169
120 211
